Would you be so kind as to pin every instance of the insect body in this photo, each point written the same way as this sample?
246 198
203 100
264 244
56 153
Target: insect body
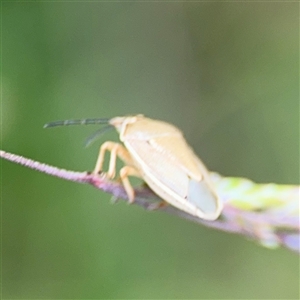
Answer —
158 153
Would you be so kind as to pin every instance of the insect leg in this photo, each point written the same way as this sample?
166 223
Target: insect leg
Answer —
124 173
107 146
115 150
157 205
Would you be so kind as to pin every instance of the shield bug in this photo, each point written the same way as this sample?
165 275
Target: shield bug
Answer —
158 153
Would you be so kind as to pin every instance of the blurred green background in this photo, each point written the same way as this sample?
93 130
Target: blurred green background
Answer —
227 74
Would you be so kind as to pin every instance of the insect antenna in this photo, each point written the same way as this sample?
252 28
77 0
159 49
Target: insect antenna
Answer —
91 138
77 122
96 134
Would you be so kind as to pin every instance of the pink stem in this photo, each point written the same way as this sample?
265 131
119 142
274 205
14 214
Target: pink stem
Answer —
229 221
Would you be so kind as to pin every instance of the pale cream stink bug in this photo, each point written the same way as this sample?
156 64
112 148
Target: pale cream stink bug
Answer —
158 153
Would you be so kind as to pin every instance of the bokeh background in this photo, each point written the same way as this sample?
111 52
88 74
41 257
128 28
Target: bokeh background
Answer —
227 74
